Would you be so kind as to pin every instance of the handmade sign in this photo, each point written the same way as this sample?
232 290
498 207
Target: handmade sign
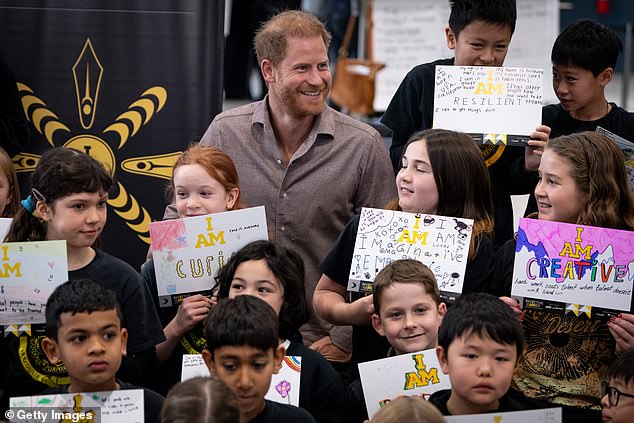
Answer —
416 374
188 252
123 406
496 105
29 272
544 415
439 242
628 150
284 386
573 268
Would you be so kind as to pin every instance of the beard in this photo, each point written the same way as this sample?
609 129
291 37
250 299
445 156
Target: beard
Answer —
299 105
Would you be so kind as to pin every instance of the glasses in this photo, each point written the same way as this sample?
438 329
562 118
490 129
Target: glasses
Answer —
613 394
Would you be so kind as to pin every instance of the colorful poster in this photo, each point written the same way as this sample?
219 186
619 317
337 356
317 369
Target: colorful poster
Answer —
577 266
546 415
29 272
124 406
496 105
284 386
188 252
628 151
439 242
408 374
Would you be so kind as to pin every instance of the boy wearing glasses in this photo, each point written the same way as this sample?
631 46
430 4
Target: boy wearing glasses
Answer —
618 394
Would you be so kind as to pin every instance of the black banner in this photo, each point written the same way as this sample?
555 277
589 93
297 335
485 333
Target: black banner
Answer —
130 82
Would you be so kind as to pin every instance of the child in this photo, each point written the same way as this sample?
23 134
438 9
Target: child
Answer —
200 400
83 332
582 181
9 187
479 33
442 173
584 57
479 343
407 306
407 312
243 351
618 394
204 181
68 202
408 409
275 274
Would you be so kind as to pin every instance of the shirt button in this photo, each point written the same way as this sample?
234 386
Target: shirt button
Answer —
284 195
283 228
279 162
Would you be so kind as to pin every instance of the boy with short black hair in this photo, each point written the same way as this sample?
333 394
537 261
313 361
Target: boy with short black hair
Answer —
618 393
83 324
584 56
479 344
243 350
479 32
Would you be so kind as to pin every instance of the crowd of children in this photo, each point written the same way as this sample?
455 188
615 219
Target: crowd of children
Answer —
105 330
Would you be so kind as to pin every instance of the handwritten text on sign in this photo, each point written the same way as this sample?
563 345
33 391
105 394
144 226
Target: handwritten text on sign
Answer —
496 102
188 252
123 406
574 264
29 272
408 374
439 242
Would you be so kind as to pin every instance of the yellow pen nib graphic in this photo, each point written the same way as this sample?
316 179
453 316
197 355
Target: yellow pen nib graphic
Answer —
87 75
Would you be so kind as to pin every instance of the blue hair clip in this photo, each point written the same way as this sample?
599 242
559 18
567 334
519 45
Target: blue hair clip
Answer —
29 204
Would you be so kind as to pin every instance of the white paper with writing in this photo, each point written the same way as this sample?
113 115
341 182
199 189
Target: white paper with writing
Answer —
416 374
188 252
546 415
123 406
489 100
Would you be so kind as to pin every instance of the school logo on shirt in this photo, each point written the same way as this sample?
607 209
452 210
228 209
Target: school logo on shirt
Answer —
491 153
87 75
36 364
194 341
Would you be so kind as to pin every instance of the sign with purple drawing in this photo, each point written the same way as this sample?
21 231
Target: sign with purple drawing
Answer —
416 374
579 267
29 272
496 105
188 252
122 406
439 242
284 387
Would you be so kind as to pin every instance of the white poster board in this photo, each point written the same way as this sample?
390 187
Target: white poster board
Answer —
496 105
628 150
29 273
188 252
123 406
406 33
546 415
439 242
579 266
284 386
416 374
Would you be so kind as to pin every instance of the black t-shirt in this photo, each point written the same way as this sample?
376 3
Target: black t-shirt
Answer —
321 390
29 371
368 345
275 412
511 401
192 342
152 402
411 110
